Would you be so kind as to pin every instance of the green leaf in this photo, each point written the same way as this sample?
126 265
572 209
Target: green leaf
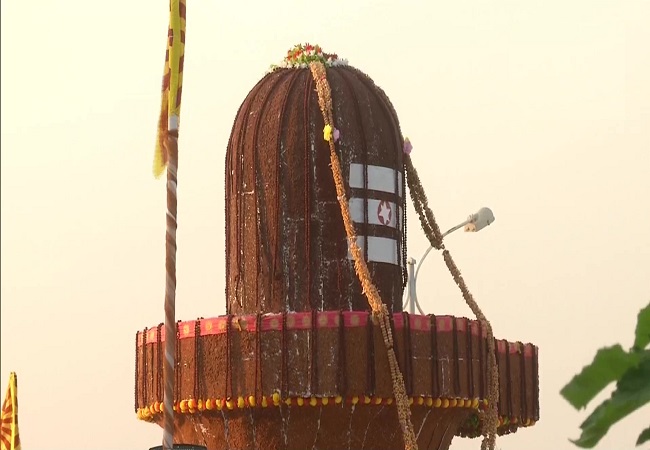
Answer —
609 365
644 436
642 329
632 392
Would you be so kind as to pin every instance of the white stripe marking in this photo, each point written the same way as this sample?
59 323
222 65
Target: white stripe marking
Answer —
379 178
380 249
379 212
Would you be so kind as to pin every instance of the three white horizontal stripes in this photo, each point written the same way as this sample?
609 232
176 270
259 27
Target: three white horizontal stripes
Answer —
380 249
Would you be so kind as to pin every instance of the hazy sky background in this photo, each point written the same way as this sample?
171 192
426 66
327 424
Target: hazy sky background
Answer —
539 110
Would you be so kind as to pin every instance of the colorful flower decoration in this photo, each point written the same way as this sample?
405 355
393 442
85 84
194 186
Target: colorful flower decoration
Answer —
301 55
329 133
408 147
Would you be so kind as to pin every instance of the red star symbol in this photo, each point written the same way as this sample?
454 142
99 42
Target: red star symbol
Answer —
384 212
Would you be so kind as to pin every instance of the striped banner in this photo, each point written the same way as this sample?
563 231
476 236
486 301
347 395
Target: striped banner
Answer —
9 439
172 85
372 206
379 179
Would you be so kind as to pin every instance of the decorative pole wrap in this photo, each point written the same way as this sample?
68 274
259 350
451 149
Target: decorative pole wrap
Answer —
170 290
167 155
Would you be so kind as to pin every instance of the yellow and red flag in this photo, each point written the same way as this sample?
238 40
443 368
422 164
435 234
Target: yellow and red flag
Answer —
172 85
9 439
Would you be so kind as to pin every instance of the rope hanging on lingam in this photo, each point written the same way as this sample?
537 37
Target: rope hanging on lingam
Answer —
379 310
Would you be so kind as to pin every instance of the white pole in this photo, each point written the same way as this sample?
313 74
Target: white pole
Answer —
411 299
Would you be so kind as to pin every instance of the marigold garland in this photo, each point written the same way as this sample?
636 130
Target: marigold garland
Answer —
198 406
192 406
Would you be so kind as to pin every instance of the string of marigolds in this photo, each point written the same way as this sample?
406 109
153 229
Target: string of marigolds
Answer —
432 231
379 310
191 406
194 406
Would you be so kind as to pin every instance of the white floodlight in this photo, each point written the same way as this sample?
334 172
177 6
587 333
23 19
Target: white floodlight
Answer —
480 220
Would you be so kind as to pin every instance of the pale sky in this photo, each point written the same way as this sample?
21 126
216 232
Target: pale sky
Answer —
539 110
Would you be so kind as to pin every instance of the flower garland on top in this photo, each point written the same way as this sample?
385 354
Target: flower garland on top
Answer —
301 55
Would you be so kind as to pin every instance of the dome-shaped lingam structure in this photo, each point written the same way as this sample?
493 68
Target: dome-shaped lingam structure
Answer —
299 361
286 248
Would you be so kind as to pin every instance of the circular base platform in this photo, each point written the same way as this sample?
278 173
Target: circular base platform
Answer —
295 379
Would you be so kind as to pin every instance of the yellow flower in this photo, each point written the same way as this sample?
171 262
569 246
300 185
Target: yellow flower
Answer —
327 133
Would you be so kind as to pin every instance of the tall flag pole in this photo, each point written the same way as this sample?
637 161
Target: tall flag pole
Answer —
9 439
167 156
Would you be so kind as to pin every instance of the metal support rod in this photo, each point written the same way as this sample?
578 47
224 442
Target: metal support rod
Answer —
412 299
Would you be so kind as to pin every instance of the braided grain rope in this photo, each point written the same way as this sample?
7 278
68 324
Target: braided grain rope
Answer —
432 231
379 310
